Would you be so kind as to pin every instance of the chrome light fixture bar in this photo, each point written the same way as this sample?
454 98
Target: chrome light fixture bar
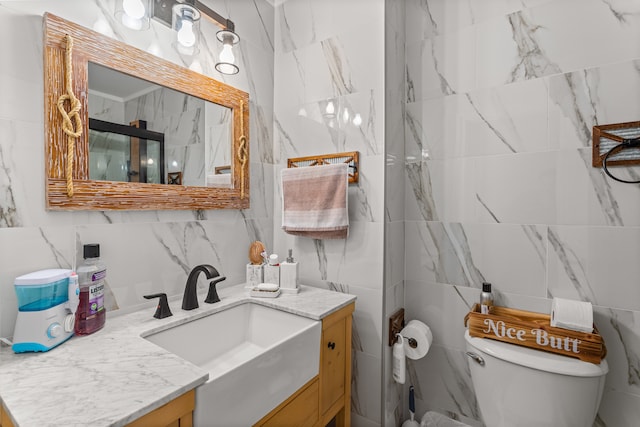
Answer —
184 15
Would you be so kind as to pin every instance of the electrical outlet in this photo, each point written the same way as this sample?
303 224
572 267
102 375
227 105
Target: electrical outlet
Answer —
396 323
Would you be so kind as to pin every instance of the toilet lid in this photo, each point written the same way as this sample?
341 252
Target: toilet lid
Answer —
537 359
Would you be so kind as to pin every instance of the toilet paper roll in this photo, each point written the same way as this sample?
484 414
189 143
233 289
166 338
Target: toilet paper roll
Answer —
422 334
572 314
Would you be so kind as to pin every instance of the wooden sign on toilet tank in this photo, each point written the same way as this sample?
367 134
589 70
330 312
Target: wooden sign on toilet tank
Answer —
533 330
541 337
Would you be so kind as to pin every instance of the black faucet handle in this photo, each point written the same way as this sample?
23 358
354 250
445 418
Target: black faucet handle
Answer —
163 309
212 296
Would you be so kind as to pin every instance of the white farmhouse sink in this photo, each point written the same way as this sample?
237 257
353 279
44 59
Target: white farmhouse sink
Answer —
256 357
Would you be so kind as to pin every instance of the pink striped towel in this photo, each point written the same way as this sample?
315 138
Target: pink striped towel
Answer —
315 200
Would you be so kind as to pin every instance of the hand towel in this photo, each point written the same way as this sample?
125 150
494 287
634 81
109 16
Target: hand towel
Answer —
315 201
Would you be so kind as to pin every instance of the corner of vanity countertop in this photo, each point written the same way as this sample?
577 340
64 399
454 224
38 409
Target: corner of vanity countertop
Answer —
312 302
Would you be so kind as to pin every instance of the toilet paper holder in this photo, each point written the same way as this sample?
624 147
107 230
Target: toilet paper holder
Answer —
413 343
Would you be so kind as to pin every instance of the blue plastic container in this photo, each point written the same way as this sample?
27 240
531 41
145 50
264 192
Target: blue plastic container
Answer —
42 289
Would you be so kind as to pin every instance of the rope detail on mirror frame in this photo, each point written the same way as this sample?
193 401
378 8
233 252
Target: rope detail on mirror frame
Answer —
242 150
67 123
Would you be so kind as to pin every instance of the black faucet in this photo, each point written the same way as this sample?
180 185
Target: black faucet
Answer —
162 310
190 299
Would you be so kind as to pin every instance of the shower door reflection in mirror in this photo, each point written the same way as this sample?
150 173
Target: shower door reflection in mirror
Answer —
125 153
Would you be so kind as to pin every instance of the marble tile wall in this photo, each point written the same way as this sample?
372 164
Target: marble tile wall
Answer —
146 251
501 97
329 56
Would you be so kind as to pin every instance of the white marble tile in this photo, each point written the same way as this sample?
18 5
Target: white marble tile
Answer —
427 18
441 189
442 382
151 258
394 187
366 198
289 79
482 122
394 253
507 119
252 19
595 96
356 261
439 252
367 336
442 65
302 22
619 329
22 192
601 33
366 390
542 41
442 308
586 196
597 264
516 188
21 77
512 257
618 409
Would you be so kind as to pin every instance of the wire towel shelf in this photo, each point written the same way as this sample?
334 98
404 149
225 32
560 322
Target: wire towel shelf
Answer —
351 158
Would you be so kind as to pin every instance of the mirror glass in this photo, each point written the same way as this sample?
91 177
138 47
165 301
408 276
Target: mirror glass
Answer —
188 140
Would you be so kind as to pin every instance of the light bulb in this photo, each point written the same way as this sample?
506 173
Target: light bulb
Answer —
133 8
149 161
227 54
345 115
330 109
186 37
357 120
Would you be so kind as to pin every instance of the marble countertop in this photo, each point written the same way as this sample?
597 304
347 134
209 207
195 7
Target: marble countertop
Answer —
115 376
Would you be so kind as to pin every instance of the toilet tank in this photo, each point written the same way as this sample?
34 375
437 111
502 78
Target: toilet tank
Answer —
519 386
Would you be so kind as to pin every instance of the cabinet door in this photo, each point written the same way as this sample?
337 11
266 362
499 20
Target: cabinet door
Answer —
5 421
299 411
177 413
333 367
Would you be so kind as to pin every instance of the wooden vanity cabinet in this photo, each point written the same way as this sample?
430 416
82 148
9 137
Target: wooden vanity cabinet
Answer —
4 418
327 396
177 413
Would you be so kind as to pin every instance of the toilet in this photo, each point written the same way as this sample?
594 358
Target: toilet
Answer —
519 386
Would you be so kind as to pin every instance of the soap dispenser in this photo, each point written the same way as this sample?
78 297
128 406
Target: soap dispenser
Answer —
289 275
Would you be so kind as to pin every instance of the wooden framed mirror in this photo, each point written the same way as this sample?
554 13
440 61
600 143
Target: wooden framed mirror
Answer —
100 52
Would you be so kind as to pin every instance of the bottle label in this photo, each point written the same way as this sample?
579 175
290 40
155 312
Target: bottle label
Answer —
96 298
98 275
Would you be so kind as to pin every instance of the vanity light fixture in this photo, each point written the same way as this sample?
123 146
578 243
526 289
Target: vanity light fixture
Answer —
184 17
134 14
